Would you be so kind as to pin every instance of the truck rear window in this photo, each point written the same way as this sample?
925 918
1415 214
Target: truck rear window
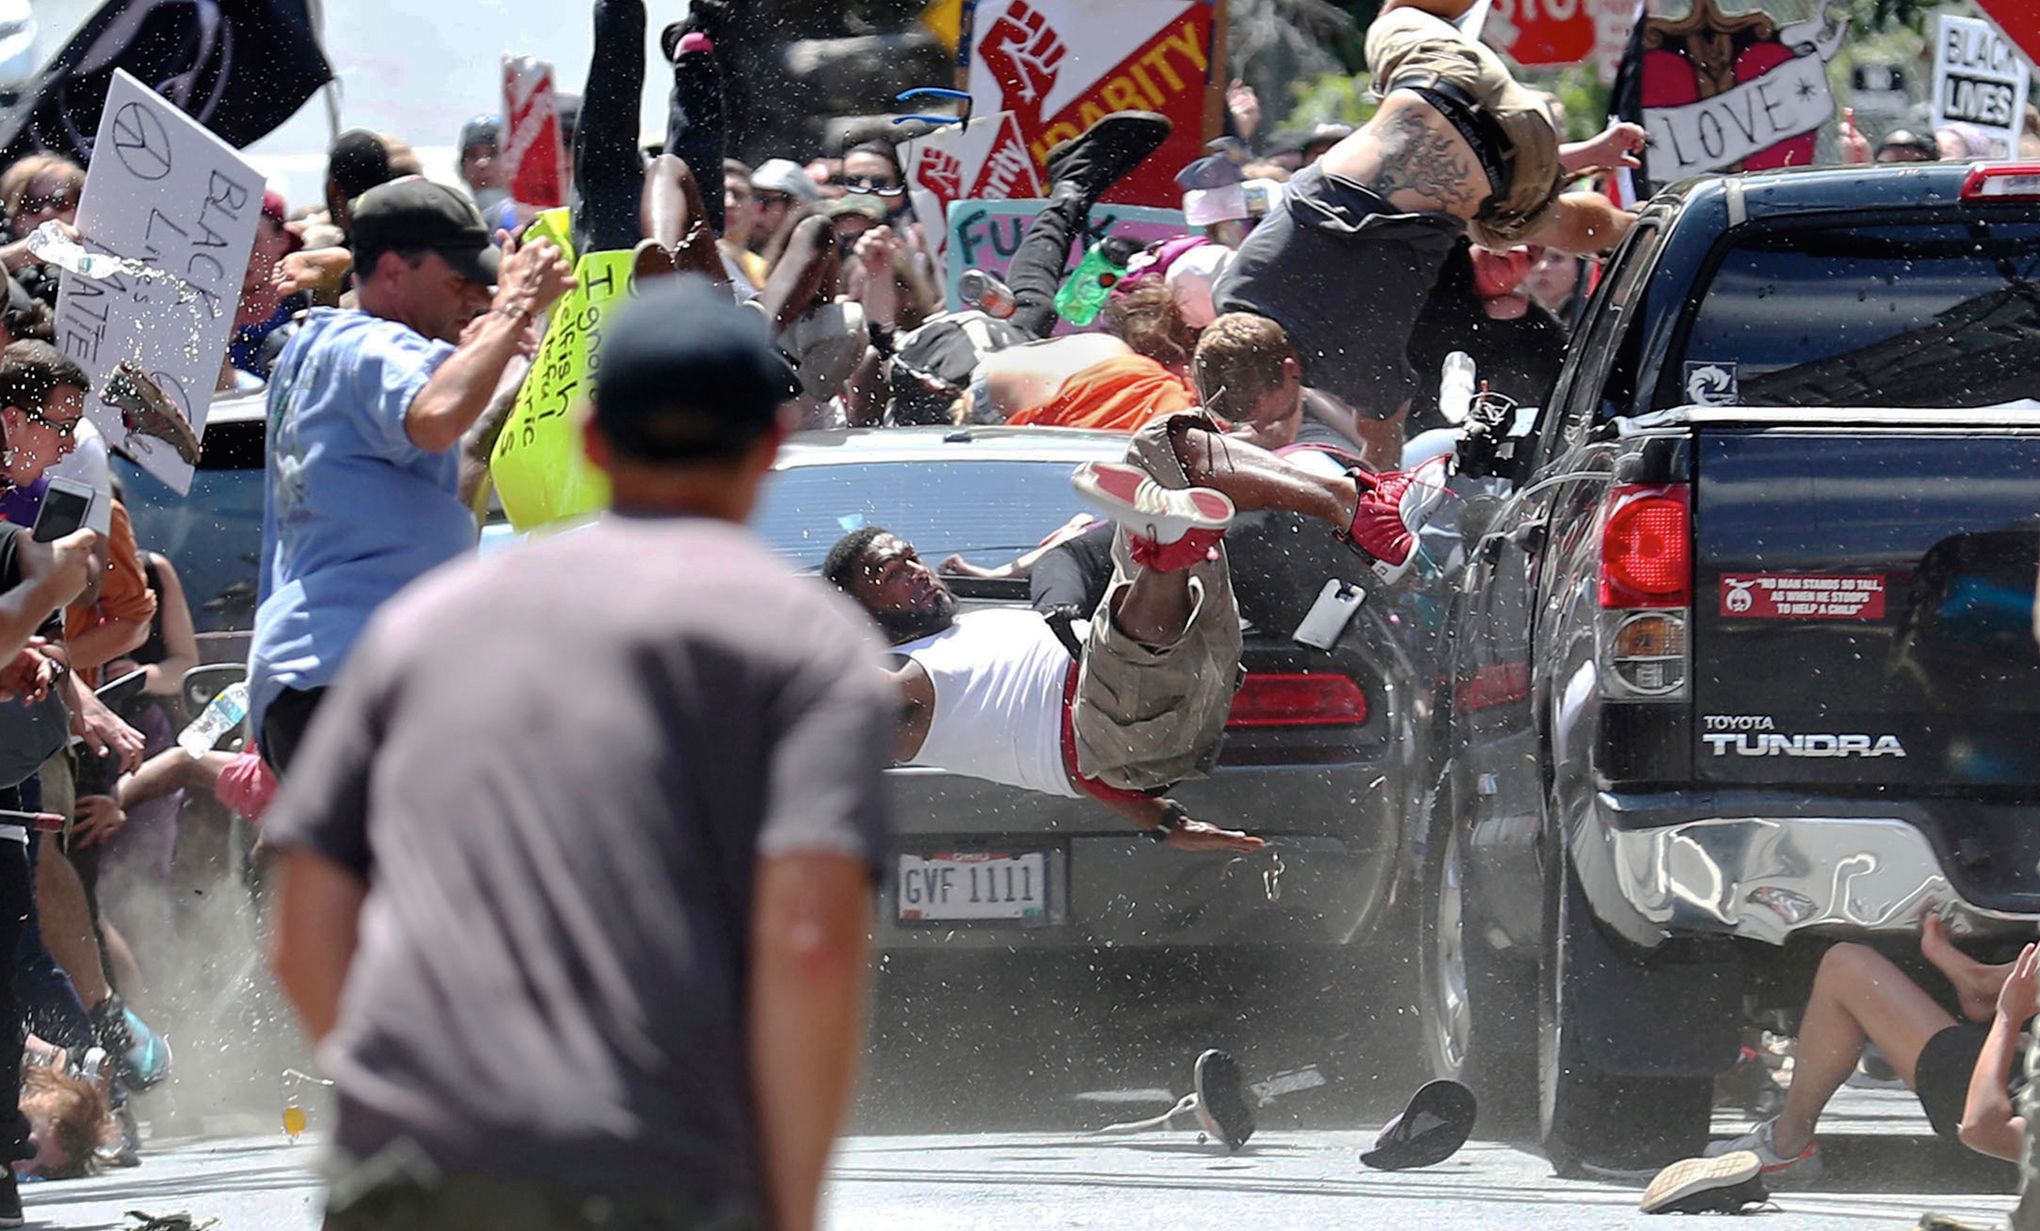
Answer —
1919 314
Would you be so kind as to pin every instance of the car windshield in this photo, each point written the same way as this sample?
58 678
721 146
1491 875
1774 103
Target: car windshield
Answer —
1870 316
990 511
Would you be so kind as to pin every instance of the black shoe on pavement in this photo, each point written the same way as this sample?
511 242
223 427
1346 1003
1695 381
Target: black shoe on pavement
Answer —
1430 1130
1725 1184
703 17
10 1199
1222 1099
1108 151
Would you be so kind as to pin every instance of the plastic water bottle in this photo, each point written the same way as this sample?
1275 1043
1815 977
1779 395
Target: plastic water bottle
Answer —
1455 387
51 246
1083 297
224 713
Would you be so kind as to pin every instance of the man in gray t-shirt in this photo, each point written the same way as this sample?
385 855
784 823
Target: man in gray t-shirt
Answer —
588 831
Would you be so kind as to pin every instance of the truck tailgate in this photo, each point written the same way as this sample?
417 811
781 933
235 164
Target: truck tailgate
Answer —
1864 599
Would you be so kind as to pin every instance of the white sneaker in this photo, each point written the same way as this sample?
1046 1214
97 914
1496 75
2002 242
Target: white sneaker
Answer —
1798 1171
1148 510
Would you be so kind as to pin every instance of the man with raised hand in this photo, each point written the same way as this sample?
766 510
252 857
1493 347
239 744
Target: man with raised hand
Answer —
367 410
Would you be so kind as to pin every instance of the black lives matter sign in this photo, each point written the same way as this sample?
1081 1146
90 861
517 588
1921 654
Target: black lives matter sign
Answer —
1980 78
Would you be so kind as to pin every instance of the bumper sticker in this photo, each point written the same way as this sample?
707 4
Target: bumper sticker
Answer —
1772 596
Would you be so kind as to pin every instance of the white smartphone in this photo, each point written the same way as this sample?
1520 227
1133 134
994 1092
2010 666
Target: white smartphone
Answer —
1328 617
65 506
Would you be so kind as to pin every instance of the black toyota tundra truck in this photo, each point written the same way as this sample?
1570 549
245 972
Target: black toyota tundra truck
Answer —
1743 660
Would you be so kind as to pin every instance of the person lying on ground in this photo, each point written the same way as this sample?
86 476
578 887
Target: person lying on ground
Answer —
1961 1070
1457 146
1141 705
69 1118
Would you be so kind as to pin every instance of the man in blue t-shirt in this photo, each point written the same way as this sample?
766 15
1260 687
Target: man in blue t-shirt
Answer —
367 409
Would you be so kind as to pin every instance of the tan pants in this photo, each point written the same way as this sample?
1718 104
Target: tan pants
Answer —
1147 717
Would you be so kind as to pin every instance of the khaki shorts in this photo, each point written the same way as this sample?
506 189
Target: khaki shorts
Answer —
1147 717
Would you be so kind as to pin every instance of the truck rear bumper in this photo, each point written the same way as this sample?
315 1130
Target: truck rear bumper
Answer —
1800 868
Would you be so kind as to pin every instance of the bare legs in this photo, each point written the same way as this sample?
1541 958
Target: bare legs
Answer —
1155 607
808 270
1858 996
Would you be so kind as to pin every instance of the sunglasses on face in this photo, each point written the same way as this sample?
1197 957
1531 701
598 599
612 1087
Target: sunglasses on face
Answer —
873 184
56 203
772 199
66 429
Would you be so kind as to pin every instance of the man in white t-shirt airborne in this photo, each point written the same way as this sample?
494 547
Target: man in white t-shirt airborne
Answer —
997 695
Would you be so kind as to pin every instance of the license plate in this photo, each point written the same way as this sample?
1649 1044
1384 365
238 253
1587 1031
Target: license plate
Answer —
972 885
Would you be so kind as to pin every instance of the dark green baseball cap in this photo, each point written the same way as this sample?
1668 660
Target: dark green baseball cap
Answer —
414 214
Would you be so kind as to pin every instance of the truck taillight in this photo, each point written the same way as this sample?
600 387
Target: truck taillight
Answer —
1299 700
2005 181
1646 592
1647 548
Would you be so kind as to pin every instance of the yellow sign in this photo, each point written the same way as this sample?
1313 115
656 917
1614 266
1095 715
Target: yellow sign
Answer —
541 474
944 20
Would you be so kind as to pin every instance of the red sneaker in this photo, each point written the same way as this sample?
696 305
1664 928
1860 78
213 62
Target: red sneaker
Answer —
1392 508
1169 529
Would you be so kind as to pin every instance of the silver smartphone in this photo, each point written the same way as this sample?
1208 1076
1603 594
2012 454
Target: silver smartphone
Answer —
1328 617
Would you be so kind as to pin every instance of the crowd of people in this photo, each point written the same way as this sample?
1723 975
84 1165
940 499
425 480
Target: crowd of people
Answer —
661 870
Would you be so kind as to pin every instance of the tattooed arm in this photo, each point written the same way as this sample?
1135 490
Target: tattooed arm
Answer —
1417 160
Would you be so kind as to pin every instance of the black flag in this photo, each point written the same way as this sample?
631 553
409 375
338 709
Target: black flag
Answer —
239 67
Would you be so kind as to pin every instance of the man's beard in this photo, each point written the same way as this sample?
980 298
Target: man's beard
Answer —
904 626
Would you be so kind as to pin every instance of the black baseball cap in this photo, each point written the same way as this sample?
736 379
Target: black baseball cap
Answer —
414 214
688 374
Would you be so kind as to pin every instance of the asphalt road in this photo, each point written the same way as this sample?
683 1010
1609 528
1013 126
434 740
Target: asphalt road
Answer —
1882 1173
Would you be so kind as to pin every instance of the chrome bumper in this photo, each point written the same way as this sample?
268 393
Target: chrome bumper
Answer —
1765 878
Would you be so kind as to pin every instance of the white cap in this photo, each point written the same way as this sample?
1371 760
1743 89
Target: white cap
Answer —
1190 278
784 175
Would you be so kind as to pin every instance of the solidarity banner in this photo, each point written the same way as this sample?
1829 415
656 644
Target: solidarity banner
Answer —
1980 78
986 161
985 235
1728 91
180 205
541 474
1057 66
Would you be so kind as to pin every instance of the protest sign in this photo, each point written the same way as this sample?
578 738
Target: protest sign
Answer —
531 141
985 235
985 161
540 471
1980 78
178 206
1728 91
1058 66
1543 31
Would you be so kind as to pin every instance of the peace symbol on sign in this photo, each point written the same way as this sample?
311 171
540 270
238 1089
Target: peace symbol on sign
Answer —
141 142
